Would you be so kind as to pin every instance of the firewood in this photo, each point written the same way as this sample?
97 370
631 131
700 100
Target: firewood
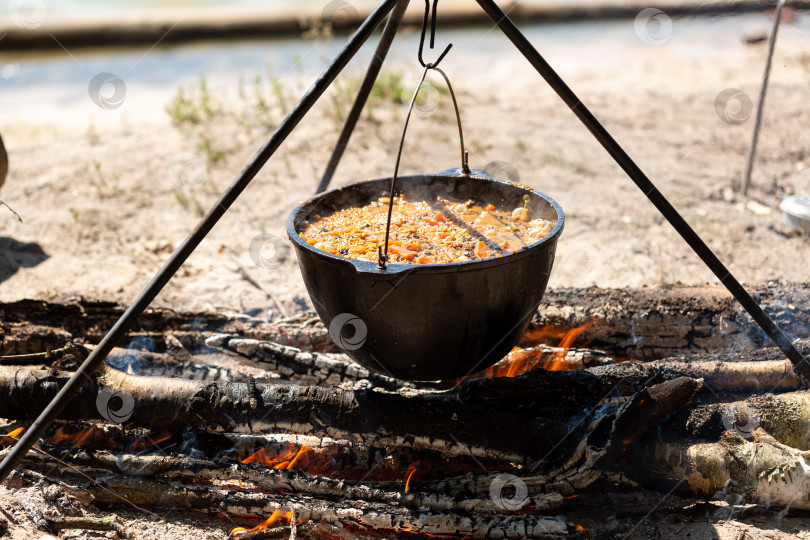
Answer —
627 323
658 323
255 476
772 373
375 516
356 515
540 403
91 319
304 367
469 413
333 369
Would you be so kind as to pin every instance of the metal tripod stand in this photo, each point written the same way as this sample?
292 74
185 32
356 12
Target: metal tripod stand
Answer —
396 9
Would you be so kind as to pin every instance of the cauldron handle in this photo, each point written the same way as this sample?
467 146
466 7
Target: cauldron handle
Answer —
465 155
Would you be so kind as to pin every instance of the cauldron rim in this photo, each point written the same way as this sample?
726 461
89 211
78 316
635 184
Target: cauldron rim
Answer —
371 267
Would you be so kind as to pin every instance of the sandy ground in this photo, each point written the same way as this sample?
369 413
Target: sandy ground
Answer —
104 206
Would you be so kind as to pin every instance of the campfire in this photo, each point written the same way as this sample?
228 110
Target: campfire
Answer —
269 428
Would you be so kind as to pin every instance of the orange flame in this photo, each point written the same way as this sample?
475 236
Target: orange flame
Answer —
277 515
299 458
11 436
558 363
578 527
144 442
84 437
412 468
520 360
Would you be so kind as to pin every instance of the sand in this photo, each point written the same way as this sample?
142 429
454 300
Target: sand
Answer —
104 204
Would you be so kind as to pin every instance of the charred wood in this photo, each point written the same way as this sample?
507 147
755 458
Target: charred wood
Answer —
663 322
254 476
469 415
381 517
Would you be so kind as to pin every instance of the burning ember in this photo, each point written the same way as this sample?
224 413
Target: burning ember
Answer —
302 458
11 436
91 437
521 360
410 472
240 533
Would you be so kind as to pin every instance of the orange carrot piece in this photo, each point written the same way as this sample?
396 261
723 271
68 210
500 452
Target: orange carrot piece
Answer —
402 252
481 250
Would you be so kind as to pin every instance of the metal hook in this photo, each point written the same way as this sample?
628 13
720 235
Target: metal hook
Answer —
432 36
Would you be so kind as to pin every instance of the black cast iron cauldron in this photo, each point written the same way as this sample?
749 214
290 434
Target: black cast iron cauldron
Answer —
428 321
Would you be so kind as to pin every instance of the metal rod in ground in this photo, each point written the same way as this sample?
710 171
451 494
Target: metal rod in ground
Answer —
89 366
752 150
389 32
613 148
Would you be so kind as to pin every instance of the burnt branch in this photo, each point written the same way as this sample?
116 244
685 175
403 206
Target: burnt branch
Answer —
469 415
340 512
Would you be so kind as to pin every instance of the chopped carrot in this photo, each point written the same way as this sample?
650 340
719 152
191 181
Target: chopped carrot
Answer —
438 217
413 247
402 252
490 207
423 260
481 250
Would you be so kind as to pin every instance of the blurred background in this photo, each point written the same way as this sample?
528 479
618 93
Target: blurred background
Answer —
124 121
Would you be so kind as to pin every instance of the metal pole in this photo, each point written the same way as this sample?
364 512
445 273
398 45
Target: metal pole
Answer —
703 251
752 151
389 32
89 366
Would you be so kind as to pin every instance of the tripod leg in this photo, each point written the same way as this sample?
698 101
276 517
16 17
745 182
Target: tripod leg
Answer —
91 364
383 46
613 148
